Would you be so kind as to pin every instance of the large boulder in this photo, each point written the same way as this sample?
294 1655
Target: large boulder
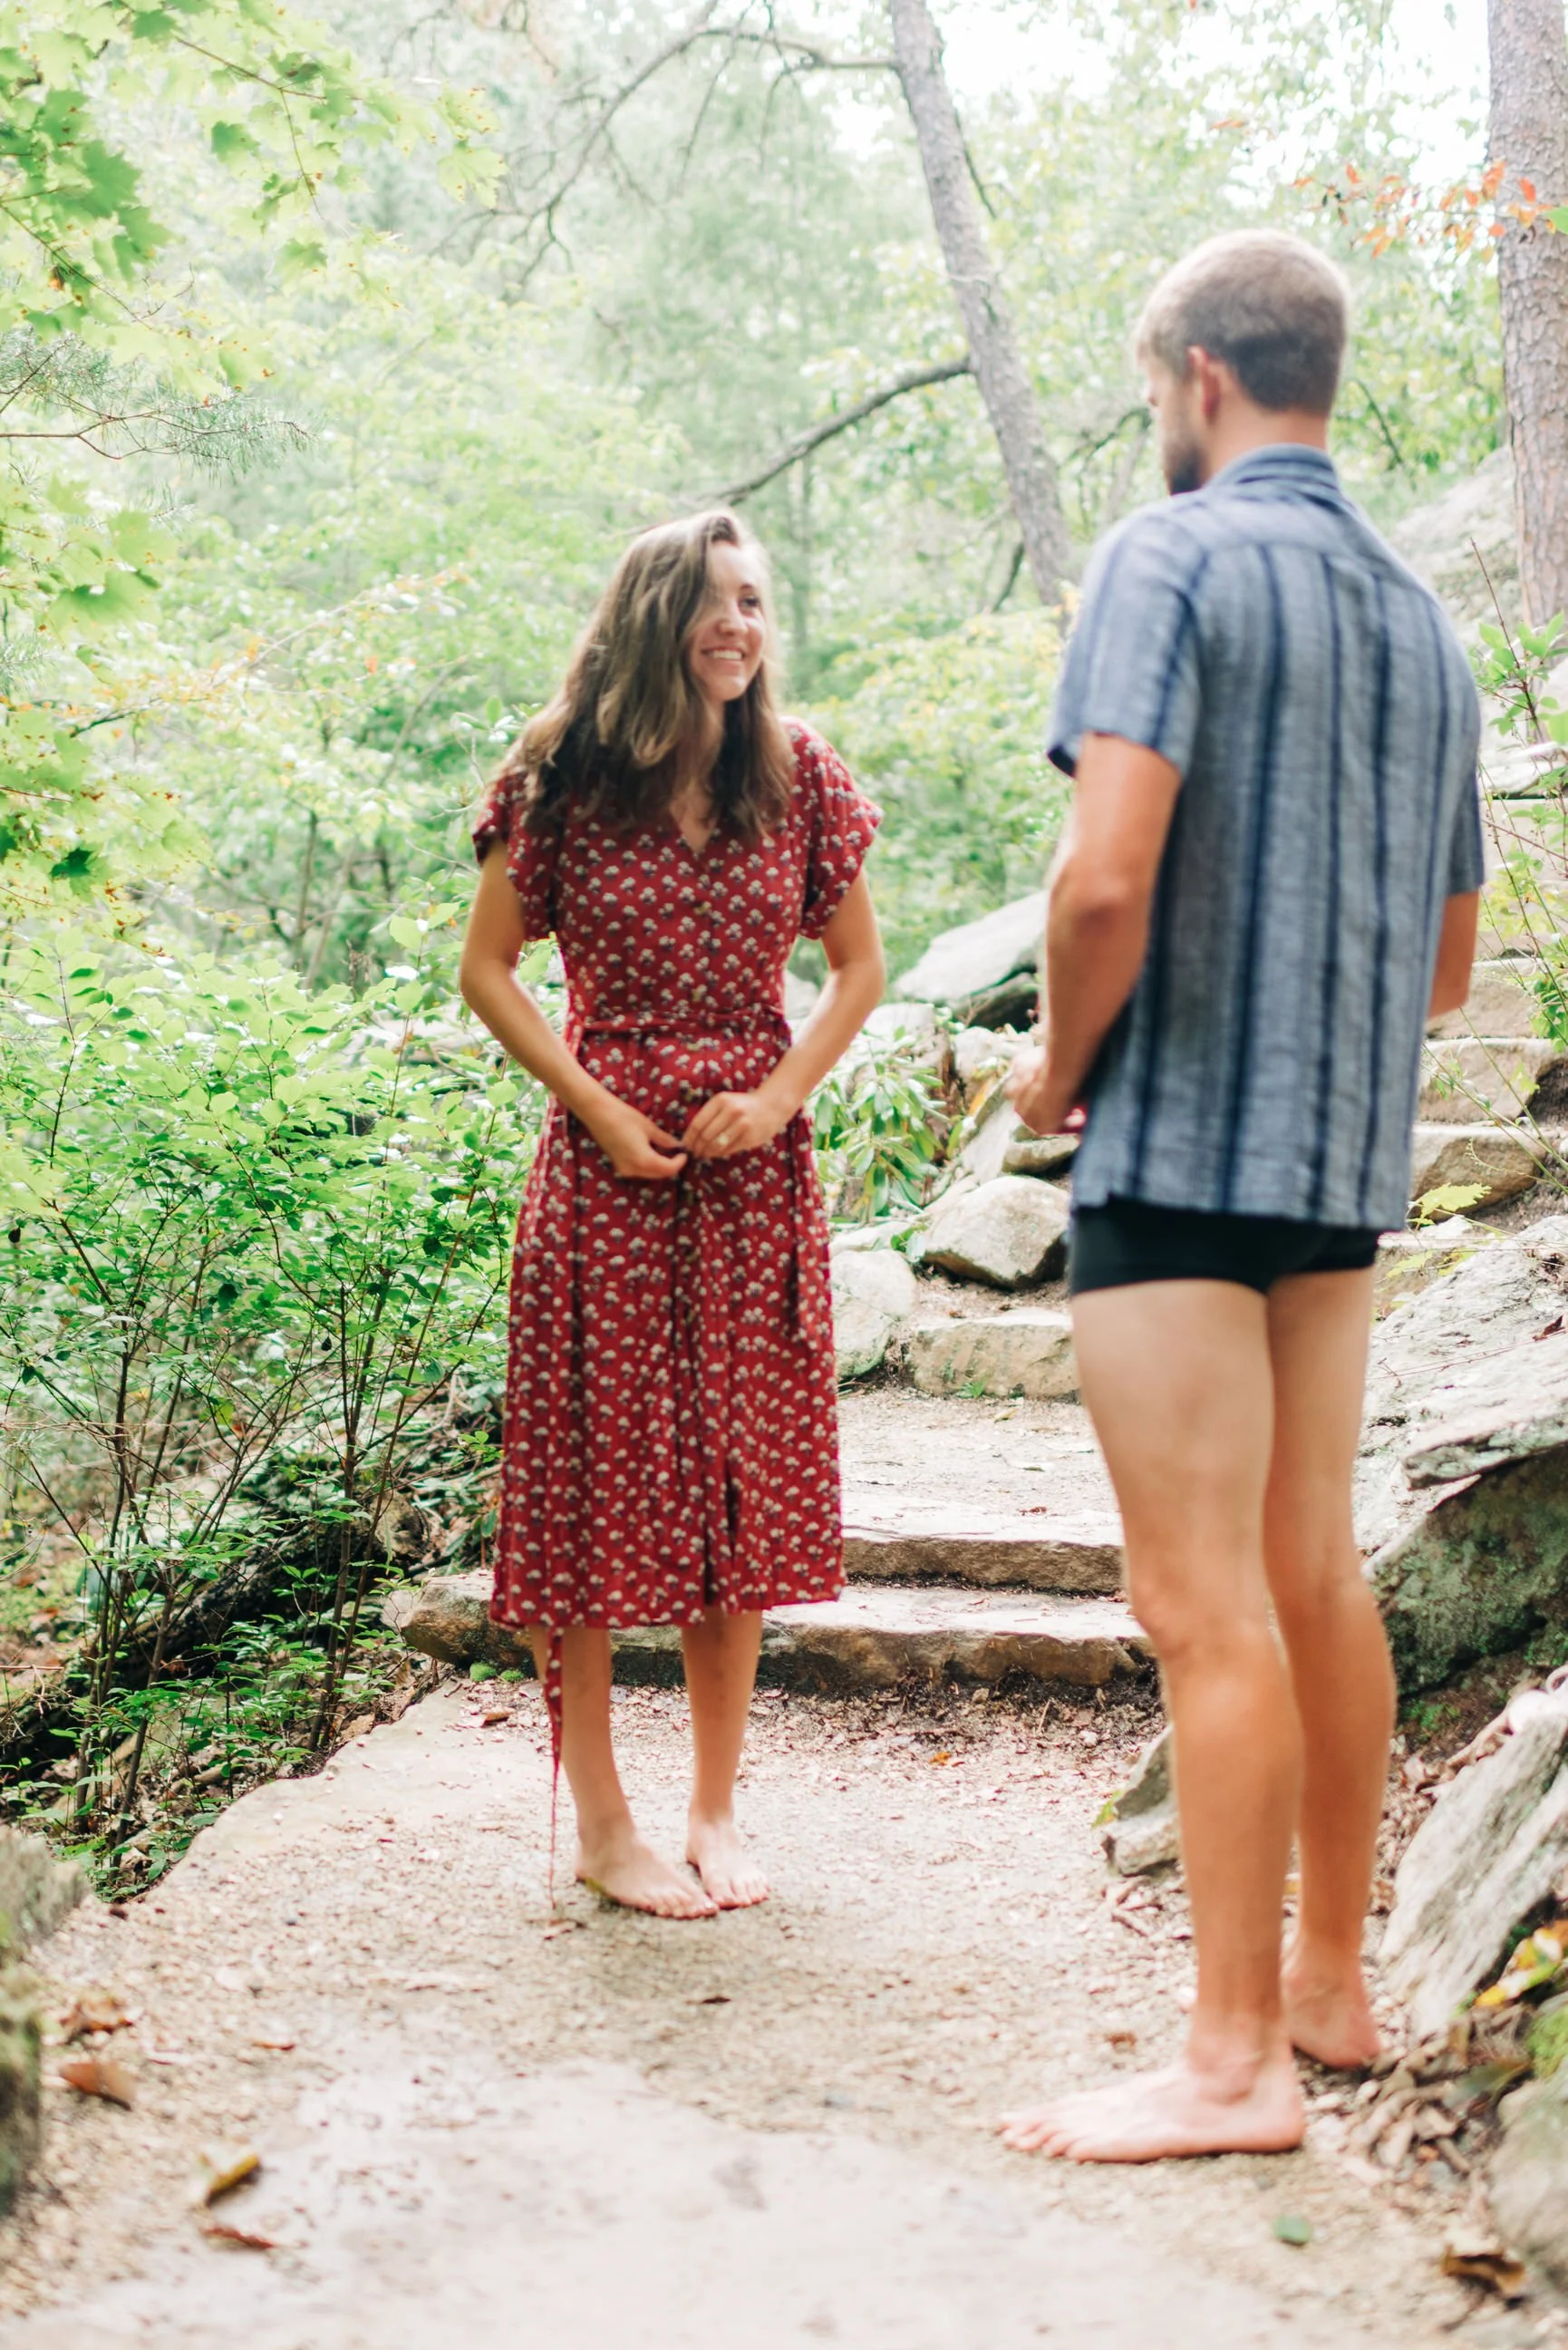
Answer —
1484 1570
1010 1232
873 1293
1467 1077
1426 1353
1501 1002
1440 539
1528 2183
1142 1829
36 1892
1493 1844
1027 1352
976 960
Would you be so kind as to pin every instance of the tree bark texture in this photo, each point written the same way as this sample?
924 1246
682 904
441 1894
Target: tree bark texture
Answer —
1529 137
999 367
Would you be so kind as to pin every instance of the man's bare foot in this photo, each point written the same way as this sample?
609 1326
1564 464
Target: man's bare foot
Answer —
1158 2115
625 1870
715 1851
1330 2017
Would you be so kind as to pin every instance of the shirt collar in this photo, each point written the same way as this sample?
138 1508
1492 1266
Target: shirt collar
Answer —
1285 465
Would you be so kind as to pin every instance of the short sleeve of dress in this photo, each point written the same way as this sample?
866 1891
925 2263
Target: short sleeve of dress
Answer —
531 859
843 823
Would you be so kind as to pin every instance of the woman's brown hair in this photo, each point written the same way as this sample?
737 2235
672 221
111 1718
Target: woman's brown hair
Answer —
606 742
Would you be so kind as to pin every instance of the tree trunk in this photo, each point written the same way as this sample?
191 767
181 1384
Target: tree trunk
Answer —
999 367
1529 137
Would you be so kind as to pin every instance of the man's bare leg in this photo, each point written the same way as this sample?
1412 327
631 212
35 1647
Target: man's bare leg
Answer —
1177 1378
720 1655
1343 1683
611 1856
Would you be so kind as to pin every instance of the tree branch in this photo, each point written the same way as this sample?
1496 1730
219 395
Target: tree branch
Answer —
911 379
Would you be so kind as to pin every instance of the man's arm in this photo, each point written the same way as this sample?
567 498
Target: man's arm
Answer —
1097 920
1455 954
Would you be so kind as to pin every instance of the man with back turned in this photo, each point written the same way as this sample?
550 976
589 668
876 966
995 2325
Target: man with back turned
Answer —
1269 884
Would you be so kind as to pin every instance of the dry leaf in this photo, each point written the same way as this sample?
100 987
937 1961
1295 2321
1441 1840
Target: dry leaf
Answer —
1481 2259
96 2009
221 2167
493 1714
275 2036
99 2076
224 2232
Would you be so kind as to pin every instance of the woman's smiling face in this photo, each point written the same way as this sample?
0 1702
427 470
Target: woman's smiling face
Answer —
725 645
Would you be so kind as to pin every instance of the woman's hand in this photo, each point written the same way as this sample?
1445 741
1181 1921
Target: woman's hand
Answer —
634 1146
731 1123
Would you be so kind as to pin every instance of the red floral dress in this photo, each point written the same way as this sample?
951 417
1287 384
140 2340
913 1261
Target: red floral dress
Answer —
670 1439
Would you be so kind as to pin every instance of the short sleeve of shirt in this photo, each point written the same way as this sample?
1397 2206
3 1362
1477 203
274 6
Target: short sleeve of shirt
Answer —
1467 846
531 856
1132 664
842 824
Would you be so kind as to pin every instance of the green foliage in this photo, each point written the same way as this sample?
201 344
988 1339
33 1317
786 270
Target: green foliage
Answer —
873 1127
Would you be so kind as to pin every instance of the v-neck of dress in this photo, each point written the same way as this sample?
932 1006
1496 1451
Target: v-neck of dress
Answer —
697 856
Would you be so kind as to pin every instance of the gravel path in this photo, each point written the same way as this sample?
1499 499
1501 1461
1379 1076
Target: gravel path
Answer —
782 2118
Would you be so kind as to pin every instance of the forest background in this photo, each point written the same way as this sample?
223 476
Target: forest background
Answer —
340 359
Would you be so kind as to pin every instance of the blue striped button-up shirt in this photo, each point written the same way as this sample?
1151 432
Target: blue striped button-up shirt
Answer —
1322 716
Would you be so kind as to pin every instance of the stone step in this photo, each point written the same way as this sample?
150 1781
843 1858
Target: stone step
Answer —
1500 1161
1027 1352
932 1543
878 1637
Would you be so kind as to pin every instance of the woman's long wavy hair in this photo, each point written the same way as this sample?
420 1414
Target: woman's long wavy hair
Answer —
608 740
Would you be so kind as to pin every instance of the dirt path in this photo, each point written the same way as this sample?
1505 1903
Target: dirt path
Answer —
778 2123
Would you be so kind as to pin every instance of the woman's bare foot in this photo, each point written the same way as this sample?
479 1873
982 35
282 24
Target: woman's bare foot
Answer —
623 1869
1158 2115
715 1851
1329 2015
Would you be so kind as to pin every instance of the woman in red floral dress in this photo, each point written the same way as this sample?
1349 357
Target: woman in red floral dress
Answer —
670 1449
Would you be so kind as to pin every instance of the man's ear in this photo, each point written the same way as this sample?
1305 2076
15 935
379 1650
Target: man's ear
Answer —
1212 377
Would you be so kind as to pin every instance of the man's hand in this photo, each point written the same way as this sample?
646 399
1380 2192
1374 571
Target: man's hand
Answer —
731 1123
1045 1105
634 1146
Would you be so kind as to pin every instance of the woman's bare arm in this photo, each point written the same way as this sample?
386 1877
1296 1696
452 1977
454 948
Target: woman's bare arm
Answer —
856 973
487 976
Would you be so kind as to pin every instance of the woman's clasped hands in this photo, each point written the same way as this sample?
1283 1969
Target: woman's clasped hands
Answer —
726 1125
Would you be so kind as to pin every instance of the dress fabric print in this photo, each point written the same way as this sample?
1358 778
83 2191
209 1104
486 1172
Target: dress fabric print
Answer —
671 1437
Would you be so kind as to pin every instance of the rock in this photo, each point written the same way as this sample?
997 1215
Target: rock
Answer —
1498 1296
799 999
1027 1352
1014 1004
36 1892
874 1637
979 1056
1485 1569
873 1293
1502 1159
987 1548
1010 1232
1143 1831
978 956
1464 1075
850 1240
1408 1262
21 2100
1493 1844
995 1128
919 1028
1503 1001
1510 1407
1439 541
1527 2186
1040 1154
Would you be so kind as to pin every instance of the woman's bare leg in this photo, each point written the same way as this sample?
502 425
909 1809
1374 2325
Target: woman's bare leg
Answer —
720 1654
611 1856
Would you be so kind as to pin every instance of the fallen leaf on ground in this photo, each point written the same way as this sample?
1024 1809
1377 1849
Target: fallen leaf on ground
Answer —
219 2168
99 2076
275 2036
943 1757
493 1714
1481 2259
226 2231
1122 2035
1290 2228
94 2010
561 1926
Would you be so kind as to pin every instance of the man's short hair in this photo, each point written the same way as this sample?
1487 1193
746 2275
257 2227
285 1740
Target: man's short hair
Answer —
1272 306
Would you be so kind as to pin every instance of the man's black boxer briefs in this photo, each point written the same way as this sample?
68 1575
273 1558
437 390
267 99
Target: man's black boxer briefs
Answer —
1128 1241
